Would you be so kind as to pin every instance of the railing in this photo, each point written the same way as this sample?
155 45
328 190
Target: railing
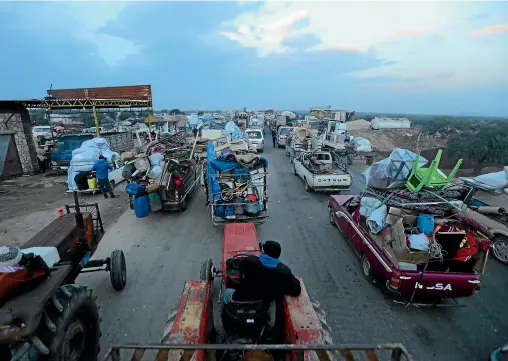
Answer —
185 352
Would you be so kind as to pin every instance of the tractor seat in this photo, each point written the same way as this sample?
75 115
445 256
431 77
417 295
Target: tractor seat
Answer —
245 320
61 234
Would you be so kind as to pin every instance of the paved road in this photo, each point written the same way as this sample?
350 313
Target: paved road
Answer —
164 250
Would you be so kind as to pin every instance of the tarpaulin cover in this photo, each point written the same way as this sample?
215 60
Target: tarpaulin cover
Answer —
215 166
392 172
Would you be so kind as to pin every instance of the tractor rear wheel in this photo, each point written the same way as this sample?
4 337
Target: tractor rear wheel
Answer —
118 270
70 328
206 270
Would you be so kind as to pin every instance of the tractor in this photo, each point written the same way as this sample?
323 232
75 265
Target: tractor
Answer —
201 330
44 314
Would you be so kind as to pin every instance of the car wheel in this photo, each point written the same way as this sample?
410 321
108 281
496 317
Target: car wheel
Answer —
308 188
500 249
183 205
332 219
367 269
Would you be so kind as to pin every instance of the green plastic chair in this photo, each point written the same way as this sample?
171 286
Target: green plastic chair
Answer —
430 177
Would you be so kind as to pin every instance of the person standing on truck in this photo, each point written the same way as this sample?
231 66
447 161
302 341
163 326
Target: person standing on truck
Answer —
101 168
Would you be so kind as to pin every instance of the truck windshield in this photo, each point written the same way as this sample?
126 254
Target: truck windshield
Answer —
285 131
254 135
69 144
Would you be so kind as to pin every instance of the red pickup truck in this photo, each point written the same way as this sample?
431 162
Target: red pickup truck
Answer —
388 259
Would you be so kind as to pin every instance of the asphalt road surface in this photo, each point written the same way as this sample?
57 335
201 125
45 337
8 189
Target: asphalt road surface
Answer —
166 249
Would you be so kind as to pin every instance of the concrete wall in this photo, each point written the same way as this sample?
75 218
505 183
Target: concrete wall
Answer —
15 117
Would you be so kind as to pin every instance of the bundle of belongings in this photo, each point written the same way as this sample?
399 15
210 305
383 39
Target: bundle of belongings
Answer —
495 182
236 180
23 269
392 172
418 239
301 139
79 176
361 144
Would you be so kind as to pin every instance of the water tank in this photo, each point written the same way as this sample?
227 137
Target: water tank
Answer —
390 123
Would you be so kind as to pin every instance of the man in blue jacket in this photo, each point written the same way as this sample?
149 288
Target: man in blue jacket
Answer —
101 168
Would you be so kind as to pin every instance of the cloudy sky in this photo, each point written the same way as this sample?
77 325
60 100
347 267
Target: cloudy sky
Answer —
447 57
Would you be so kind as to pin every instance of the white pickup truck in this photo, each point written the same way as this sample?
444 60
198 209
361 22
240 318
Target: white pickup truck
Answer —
323 171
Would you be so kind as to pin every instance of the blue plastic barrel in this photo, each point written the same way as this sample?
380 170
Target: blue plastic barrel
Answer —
425 223
141 206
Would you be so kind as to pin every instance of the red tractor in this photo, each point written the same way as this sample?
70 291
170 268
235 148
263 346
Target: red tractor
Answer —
201 329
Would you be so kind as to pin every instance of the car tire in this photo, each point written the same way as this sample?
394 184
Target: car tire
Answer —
367 269
183 205
500 249
332 220
308 188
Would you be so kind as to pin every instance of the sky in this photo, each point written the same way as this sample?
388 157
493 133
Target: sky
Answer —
446 57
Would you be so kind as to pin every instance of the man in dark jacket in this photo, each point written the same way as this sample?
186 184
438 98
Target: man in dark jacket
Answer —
265 278
274 137
101 168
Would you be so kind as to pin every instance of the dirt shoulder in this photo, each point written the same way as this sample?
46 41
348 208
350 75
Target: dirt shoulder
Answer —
28 204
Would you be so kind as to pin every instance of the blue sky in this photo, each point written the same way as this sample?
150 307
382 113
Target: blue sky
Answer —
448 57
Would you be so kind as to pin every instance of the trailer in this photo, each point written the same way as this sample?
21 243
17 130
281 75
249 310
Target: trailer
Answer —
235 185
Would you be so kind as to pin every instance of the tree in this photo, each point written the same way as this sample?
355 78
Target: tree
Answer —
125 115
486 142
175 112
200 113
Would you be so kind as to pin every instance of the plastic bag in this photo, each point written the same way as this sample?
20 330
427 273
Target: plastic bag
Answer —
157 159
155 172
393 171
498 180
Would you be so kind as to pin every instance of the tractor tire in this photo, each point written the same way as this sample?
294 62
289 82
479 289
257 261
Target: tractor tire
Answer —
118 270
206 270
71 325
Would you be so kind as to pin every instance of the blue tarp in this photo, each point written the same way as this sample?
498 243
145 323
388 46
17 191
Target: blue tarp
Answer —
215 165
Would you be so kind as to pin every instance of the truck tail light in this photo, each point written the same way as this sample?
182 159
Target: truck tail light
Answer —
478 286
394 283
177 180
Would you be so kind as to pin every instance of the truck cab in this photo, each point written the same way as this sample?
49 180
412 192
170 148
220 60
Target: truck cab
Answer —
61 154
282 134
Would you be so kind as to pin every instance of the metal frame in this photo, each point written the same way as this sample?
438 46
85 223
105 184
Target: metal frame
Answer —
398 351
84 103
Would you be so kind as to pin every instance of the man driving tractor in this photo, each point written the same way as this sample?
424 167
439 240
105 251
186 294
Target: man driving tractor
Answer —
265 278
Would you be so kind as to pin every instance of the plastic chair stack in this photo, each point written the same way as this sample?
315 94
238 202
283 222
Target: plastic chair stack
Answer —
429 177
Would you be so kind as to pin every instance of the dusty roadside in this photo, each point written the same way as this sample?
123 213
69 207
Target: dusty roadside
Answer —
28 204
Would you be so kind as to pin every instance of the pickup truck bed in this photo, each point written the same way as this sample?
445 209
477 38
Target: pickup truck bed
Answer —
321 172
